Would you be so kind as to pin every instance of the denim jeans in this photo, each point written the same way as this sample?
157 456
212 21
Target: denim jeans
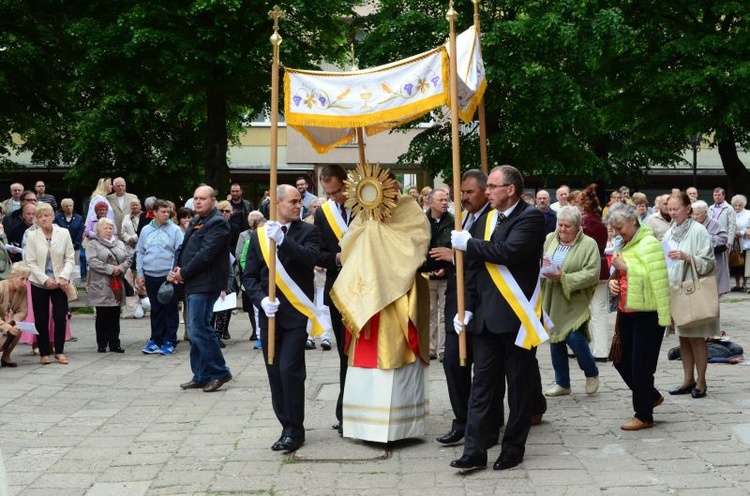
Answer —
580 347
206 359
165 319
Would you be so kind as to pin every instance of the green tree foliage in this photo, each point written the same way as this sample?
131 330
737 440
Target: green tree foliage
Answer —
584 89
150 90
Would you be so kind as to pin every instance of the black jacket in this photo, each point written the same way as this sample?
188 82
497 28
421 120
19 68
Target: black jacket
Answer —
203 258
298 254
517 244
327 256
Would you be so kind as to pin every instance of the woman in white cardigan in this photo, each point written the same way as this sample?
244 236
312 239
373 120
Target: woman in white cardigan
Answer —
49 255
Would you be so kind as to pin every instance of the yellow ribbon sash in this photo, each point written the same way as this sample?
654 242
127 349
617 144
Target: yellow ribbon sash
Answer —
531 333
334 218
319 317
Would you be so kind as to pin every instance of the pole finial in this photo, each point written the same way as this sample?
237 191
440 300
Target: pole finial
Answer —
451 16
276 13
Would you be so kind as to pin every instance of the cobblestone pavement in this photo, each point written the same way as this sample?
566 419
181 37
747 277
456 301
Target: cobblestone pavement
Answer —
109 424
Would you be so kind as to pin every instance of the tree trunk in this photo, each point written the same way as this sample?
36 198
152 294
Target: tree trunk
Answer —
738 177
217 168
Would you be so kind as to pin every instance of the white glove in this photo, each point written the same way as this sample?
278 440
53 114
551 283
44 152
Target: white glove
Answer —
459 239
269 307
457 322
274 232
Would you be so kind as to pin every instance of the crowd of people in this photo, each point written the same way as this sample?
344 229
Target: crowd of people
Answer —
536 271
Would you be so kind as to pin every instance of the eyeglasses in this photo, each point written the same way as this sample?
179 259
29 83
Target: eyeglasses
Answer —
226 211
495 186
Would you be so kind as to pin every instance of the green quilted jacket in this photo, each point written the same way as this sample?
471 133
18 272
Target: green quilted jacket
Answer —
648 283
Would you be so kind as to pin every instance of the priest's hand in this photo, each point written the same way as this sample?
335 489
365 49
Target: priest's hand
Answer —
459 239
458 326
269 307
273 230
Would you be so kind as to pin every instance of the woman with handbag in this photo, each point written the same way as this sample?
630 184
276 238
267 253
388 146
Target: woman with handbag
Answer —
738 265
49 255
641 288
690 244
109 259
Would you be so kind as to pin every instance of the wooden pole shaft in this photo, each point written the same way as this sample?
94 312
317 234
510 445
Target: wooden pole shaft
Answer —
452 17
276 14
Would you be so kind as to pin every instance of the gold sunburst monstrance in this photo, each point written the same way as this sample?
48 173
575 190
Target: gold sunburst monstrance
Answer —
370 192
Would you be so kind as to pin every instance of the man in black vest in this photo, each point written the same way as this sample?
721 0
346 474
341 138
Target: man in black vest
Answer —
332 179
298 246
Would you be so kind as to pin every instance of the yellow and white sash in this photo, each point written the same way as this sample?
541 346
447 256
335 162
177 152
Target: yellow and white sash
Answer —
531 333
319 317
335 219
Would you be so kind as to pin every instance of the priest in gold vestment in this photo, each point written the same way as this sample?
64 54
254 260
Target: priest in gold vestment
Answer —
384 303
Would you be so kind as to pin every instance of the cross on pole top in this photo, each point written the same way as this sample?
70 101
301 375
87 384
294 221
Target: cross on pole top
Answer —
276 13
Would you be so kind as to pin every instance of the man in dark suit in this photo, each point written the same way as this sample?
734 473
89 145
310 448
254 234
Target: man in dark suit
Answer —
298 250
516 243
202 265
457 377
332 180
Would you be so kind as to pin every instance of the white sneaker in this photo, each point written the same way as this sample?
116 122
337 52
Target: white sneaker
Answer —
556 390
592 385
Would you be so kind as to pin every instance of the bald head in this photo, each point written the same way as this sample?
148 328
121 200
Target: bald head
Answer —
204 200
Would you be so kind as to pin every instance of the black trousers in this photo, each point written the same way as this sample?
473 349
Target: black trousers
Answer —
493 354
458 378
641 337
107 326
340 335
287 379
40 301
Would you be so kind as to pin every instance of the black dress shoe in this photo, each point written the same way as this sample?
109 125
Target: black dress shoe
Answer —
101 350
215 384
117 350
288 444
467 463
226 335
452 437
505 462
14 364
193 385
697 393
222 344
683 390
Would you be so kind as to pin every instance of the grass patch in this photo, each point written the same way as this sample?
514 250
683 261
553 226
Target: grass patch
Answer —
83 310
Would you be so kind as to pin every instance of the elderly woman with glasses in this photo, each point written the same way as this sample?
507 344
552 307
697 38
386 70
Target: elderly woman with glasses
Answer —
13 309
741 240
571 266
641 287
109 259
49 255
719 239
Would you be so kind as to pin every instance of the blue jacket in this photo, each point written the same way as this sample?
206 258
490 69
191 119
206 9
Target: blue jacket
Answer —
156 249
75 227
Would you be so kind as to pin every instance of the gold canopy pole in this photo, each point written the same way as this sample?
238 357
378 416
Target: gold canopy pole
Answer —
480 108
452 17
275 39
